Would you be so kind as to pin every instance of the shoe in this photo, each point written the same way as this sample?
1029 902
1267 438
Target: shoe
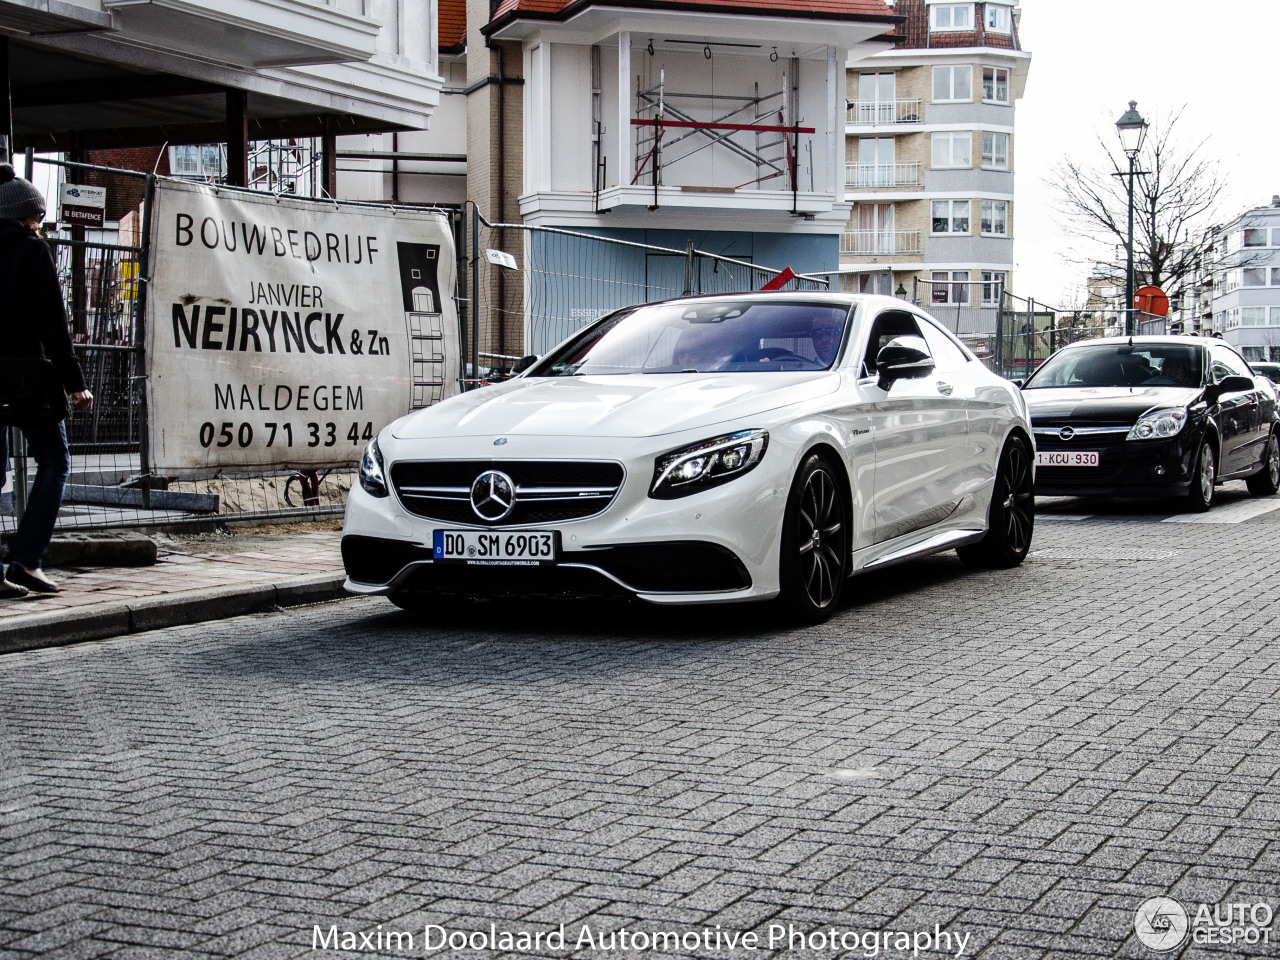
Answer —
32 579
12 591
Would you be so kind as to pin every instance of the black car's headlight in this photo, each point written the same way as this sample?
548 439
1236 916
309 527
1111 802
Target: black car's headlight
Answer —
1159 424
372 479
707 463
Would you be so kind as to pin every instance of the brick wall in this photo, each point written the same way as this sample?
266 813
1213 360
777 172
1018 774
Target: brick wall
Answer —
124 193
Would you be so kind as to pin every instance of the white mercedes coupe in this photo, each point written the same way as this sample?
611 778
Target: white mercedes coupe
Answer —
702 450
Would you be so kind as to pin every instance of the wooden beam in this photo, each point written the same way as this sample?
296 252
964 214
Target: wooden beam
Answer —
105 90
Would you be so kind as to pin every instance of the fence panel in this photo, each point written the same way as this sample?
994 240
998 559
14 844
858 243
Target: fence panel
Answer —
565 279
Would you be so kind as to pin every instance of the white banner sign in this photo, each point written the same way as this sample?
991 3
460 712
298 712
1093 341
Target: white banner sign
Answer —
284 333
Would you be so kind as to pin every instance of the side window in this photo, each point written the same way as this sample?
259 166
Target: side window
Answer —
1227 363
887 327
947 354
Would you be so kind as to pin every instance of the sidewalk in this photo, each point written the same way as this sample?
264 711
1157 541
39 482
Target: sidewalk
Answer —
195 578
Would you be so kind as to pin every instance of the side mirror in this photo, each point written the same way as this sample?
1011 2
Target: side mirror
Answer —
524 363
1232 384
1018 383
898 361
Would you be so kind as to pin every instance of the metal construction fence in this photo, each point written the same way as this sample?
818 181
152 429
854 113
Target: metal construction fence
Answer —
558 281
1013 335
520 289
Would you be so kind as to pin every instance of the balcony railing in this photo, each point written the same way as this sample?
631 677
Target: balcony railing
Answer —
865 176
883 112
888 243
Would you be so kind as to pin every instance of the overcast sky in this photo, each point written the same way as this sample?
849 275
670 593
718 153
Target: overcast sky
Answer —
1091 57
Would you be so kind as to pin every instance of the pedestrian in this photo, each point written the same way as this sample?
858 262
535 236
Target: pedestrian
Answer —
33 323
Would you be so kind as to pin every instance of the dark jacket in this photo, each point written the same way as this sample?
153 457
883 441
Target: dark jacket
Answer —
33 319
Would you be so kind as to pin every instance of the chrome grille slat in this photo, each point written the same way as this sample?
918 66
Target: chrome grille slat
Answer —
546 491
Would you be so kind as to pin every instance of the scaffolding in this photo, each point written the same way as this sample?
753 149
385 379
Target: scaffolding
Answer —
670 131
292 166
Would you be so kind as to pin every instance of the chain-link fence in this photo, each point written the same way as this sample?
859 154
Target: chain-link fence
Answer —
531 287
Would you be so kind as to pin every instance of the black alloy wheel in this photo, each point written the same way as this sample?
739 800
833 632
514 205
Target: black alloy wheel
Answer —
815 542
1203 477
1267 480
1012 518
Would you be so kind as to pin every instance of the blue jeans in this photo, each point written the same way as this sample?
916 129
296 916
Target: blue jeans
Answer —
47 445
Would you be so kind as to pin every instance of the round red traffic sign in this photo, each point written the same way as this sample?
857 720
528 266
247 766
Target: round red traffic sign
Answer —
1151 300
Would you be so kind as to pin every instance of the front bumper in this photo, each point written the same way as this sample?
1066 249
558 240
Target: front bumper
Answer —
1126 468
720 544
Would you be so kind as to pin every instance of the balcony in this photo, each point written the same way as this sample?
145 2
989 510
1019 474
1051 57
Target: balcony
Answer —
867 176
880 243
878 113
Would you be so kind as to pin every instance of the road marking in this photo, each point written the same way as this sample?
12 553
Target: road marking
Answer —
857 773
1064 516
1235 513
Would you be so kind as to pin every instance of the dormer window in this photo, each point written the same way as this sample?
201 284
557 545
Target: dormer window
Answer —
950 16
998 20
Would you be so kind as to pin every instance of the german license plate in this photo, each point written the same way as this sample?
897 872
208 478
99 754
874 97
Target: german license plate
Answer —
1066 458
526 548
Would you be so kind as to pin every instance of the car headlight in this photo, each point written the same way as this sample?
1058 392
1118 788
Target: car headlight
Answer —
1158 425
707 463
372 479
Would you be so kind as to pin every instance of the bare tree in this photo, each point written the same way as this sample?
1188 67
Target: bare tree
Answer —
1175 196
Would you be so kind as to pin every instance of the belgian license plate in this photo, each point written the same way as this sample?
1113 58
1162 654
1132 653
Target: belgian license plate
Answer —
1066 458
526 548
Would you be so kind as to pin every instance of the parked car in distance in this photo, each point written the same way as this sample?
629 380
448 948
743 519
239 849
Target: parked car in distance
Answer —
702 450
1152 416
1269 370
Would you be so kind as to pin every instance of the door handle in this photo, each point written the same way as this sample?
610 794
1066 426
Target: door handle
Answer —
944 388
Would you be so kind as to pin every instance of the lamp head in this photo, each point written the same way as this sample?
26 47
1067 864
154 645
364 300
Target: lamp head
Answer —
1132 129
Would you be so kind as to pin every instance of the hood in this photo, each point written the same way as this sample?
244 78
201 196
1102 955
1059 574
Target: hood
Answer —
627 406
1113 405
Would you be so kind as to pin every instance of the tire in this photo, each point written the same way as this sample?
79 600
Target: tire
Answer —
1200 496
1012 517
815 542
1267 480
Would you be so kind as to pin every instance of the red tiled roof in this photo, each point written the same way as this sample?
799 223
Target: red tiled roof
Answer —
875 10
452 20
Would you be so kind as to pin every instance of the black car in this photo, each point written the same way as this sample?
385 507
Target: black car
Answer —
1152 416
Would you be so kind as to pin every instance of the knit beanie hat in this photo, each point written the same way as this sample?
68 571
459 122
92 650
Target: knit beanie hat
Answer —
19 198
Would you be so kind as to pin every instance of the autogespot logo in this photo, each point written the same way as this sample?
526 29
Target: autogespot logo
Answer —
1161 923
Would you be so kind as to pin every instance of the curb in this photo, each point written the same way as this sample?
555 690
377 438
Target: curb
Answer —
103 621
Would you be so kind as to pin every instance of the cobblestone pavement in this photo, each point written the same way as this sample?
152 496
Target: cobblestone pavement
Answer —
1017 758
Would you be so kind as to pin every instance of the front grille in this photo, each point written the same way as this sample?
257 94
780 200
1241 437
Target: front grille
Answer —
547 491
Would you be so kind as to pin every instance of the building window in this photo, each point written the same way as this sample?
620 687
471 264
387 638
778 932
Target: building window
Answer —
950 216
995 218
198 160
953 83
993 283
998 20
1253 317
995 84
950 286
1255 276
951 16
1275 276
1275 236
1254 353
876 166
1275 322
953 149
879 283
995 151
1255 237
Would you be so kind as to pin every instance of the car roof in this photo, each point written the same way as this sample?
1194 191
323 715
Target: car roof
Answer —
1149 340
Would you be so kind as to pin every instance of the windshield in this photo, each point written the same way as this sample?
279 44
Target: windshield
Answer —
1121 365
700 337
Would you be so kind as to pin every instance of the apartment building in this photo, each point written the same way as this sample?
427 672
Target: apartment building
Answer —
1246 283
929 160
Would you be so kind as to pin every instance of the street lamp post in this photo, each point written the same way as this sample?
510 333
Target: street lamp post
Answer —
1133 130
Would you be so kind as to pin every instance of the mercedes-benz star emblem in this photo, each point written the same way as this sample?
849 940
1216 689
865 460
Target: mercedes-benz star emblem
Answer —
1066 433
493 495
